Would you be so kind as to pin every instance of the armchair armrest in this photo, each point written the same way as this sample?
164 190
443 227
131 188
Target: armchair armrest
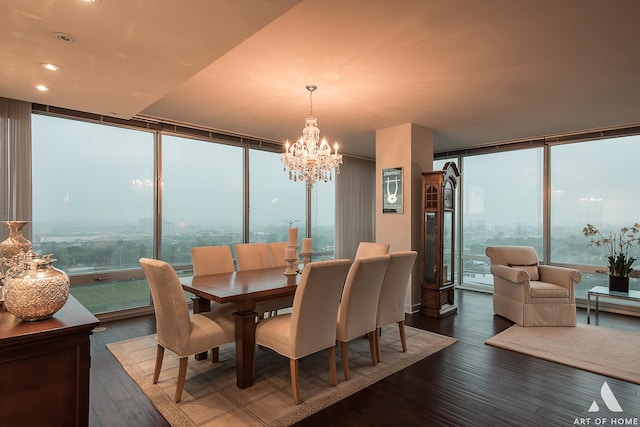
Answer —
511 274
561 276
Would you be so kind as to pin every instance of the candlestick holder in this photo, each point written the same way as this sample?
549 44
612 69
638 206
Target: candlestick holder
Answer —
291 256
306 258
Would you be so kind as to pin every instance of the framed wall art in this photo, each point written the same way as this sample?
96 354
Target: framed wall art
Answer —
392 190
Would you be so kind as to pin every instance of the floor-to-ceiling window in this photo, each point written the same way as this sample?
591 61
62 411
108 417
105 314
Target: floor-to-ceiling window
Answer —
592 183
93 207
202 196
275 202
501 205
94 203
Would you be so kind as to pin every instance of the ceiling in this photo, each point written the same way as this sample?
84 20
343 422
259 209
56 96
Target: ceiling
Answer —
476 72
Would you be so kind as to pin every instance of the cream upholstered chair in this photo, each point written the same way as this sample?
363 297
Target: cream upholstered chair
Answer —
392 295
277 252
252 256
311 326
368 249
178 331
211 260
531 294
359 305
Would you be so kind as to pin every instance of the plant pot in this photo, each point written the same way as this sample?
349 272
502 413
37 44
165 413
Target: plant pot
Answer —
619 284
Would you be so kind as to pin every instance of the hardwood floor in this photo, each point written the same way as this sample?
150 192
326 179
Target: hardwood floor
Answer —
466 384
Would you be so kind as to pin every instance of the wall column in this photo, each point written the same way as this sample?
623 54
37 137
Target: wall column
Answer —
410 147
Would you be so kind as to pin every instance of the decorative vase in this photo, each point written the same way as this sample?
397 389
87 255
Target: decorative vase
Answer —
38 291
619 284
15 243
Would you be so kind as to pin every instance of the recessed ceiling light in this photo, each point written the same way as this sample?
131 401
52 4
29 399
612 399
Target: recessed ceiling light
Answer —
42 88
64 37
50 66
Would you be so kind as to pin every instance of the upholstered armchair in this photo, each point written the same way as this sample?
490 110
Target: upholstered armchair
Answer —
531 294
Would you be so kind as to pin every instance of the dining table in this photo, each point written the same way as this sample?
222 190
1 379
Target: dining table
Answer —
245 289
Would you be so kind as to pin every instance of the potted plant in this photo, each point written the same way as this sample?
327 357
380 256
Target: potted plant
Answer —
617 256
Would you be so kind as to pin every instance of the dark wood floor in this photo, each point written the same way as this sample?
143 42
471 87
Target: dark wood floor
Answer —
466 384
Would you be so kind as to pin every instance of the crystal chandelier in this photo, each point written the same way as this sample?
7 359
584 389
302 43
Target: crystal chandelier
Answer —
308 158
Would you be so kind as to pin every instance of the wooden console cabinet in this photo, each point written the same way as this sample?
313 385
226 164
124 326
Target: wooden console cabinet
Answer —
44 368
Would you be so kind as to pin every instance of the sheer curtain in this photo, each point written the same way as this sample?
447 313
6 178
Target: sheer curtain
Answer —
355 205
15 163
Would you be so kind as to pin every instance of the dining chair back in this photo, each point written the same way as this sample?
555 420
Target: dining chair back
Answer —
252 256
392 295
277 252
212 260
359 305
311 325
177 330
369 249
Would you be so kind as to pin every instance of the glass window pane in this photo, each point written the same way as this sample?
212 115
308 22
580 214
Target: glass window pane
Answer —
202 192
93 200
502 205
588 188
275 202
323 215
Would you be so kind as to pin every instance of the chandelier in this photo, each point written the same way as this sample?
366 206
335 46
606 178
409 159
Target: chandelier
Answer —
309 158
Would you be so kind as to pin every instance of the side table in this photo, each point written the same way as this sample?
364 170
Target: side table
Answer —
604 292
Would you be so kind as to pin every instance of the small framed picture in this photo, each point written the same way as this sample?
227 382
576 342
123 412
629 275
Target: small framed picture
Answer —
392 190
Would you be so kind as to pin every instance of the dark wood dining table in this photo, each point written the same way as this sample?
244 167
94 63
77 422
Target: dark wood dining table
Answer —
244 289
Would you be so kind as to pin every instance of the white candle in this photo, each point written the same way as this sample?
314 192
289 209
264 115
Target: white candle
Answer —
306 244
293 236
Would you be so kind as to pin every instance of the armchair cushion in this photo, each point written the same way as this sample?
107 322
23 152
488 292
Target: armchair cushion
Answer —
547 290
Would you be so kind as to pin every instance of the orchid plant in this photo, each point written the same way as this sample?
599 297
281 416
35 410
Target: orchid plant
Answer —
617 245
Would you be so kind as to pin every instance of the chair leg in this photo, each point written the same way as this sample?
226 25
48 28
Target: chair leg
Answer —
332 365
156 370
293 367
378 344
182 375
403 337
372 348
344 349
215 354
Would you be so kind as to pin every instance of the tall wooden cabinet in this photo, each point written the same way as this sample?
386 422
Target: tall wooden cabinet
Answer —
438 241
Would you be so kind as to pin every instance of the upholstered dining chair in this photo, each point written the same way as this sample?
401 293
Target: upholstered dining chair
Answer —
252 256
392 295
529 293
359 305
311 326
368 249
277 252
212 260
178 331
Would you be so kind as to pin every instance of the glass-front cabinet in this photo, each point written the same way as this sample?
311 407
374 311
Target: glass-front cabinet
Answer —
438 241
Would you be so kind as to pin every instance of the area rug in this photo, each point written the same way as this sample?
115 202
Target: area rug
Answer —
610 352
211 397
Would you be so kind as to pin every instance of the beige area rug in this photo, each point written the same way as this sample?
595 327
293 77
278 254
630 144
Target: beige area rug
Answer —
211 397
610 352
